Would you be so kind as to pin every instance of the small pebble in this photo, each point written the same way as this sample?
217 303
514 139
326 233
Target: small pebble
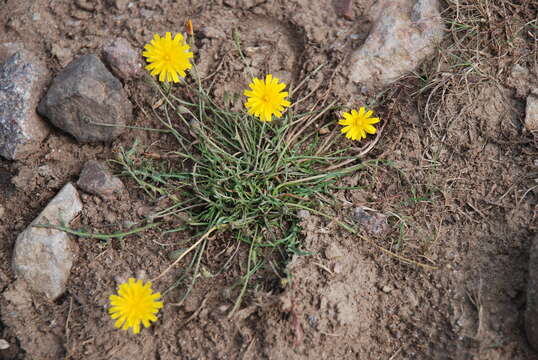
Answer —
386 289
531 116
85 5
312 320
81 15
4 344
337 269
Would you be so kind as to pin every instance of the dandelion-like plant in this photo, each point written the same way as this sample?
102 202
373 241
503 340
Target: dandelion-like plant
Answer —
135 303
358 124
266 98
167 57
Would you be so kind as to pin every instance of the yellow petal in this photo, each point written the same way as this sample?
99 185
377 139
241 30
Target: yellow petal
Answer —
370 129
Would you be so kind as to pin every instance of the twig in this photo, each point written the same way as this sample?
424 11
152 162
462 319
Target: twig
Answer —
67 332
324 268
186 252
396 353
247 278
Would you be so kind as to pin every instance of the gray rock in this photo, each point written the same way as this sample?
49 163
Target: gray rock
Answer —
531 311
375 224
404 32
43 257
87 101
123 60
22 80
96 179
531 113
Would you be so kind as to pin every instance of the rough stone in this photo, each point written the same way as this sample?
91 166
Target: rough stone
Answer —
22 80
42 256
87 101
531 311
531 113
96 179
404 33
386 289
375 224
123 60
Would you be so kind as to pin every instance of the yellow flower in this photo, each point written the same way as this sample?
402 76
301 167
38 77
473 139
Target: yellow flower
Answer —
266 98
357 124
135 304
168 57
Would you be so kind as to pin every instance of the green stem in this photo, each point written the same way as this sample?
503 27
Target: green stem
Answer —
84 234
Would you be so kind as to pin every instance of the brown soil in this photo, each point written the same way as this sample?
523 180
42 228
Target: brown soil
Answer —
460 192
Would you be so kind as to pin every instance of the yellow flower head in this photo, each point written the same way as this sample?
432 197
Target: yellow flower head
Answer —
266 98
168 57
357 124
135 304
